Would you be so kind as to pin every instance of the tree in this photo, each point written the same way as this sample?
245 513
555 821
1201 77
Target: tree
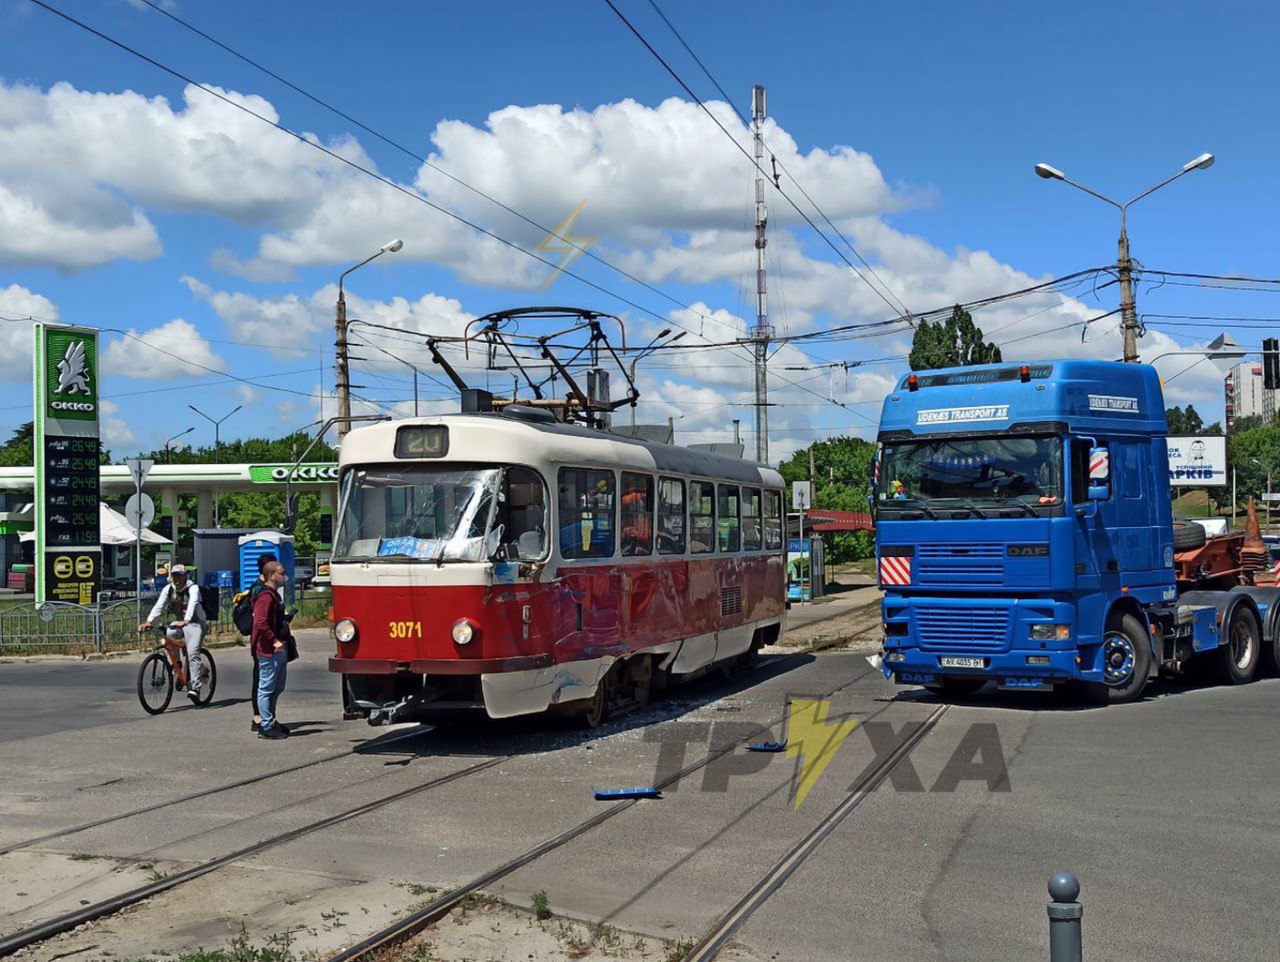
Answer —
1252 454
957 342
842 466
1244 425
1184 423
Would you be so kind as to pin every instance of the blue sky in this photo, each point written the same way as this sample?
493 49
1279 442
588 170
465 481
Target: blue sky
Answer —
128 202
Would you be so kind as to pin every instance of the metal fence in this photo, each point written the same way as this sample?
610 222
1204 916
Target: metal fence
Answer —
62 628
57 627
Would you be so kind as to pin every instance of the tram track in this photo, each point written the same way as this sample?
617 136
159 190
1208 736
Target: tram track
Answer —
64 923
709 947
42 931
364 749
400 931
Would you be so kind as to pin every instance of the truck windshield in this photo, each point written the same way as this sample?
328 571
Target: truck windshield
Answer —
412 513
1022 473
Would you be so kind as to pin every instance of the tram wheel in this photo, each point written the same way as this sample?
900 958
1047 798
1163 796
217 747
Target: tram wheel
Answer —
595 709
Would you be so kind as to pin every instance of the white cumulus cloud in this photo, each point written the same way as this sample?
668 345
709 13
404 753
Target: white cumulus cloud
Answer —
172 350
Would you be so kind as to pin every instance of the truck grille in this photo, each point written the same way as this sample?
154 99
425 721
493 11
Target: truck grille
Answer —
983 630
960 564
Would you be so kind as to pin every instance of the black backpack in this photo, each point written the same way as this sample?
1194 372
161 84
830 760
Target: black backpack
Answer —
242 609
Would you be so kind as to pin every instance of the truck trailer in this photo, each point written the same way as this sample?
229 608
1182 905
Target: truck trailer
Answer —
1025 536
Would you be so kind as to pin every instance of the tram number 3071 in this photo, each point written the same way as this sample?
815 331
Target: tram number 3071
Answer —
405 629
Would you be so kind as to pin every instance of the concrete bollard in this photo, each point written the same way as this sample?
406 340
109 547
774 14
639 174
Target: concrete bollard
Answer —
1065 915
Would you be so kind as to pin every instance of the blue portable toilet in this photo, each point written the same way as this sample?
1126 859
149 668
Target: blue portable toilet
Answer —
253 546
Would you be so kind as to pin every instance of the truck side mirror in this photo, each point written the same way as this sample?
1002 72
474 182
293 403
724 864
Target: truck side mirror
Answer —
1099 473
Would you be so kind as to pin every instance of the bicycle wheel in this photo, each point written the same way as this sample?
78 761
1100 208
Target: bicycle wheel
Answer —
155 683
208 677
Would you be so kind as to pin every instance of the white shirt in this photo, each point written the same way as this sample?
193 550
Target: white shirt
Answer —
195 611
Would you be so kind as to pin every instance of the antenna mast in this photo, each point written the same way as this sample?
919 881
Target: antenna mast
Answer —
762 333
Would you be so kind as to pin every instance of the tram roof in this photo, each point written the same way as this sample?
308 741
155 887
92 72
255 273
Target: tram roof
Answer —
375 442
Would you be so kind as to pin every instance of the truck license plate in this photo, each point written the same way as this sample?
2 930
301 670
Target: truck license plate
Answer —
963 663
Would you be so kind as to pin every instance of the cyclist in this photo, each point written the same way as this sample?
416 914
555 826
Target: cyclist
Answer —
179 603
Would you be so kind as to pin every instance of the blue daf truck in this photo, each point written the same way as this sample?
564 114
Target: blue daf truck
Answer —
1025 536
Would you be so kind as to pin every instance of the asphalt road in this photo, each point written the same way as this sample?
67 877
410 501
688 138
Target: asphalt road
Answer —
1165 809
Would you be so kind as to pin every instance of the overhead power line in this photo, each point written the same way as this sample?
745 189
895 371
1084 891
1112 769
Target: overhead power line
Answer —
360 168
733 140
426 162
773 156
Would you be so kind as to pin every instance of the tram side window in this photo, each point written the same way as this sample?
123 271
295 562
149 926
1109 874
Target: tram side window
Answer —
670 516
727 517
523 515
772 520
702 517
751 519
586 513
637 514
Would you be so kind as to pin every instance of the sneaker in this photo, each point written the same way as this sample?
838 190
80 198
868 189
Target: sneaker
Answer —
283 727
256 727
273 732
194 695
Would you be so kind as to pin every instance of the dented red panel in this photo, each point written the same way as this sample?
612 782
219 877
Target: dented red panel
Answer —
590 610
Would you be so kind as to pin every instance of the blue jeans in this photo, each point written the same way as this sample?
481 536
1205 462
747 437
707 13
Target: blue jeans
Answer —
271 678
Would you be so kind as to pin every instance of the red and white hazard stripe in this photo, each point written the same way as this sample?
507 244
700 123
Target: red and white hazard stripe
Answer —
895 571
1099 464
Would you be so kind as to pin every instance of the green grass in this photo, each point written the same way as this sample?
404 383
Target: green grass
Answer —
541 904
277 948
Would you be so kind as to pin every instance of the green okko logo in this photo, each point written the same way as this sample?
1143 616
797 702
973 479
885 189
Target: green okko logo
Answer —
71 376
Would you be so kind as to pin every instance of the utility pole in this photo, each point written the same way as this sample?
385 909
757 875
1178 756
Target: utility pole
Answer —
343 387
762 333
1128 310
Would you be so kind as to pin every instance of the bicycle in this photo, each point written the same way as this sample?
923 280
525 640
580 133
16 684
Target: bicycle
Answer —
162 666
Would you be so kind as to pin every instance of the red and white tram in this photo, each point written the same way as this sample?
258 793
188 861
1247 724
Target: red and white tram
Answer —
511 563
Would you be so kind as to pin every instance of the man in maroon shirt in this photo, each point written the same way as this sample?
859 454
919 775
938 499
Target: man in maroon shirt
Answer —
270 633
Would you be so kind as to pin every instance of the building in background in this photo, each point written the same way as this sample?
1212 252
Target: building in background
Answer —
1245 395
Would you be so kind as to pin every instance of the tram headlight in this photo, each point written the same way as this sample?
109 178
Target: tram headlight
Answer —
463 631
345 631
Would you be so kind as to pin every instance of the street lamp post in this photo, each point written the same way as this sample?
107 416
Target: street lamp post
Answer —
217 445
344 378
1128 310
168 455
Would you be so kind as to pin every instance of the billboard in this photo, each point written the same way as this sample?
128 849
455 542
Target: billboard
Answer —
68 562
1198 462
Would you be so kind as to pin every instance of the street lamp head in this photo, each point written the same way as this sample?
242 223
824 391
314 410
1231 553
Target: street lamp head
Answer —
663 333
1051 173
390 247
1203 162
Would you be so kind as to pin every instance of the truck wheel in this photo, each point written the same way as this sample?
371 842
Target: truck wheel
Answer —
1238 658
1126 662
1187 536
957 687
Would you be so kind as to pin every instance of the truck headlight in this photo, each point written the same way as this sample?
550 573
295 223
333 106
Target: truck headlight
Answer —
1050 632
345 631
463 631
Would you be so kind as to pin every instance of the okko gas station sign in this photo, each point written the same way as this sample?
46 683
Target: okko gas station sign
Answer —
68 558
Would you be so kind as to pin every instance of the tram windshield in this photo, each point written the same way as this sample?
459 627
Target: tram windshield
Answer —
411 513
